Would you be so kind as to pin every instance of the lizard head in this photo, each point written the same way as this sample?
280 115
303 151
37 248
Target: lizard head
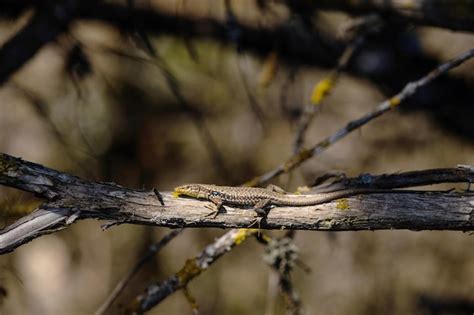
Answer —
188 190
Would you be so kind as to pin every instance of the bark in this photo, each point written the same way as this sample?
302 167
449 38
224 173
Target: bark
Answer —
70 198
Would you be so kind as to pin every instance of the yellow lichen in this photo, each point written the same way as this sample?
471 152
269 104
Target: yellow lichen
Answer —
175 194
242 235
269 70
191 300
266 238
324 144
189 271
394 101
342 204
321 90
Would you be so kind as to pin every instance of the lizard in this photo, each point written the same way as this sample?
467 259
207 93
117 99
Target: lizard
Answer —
261 198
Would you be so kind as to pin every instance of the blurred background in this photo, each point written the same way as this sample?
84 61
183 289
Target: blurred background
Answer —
149 109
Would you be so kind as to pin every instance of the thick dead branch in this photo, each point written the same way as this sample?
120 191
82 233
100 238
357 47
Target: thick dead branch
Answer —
70 198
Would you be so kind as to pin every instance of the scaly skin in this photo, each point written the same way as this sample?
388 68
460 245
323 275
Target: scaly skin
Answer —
260 197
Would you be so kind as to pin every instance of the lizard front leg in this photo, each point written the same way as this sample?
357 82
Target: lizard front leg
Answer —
216 206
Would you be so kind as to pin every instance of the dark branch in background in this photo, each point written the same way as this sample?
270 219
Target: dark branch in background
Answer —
291 46
191 110
453 14
49 20
12 9
252 39
394 54
42 110
438 305
198 120
388 50
252 101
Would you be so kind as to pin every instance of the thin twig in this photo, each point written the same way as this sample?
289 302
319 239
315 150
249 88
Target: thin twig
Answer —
197 119
282 255
252 101
285 87
359 29
389 104
152 250
41 109
157 292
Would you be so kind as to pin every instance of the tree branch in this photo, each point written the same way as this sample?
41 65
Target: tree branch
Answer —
393 102
453 14
152 250
46 24
157 292
293 46
70 198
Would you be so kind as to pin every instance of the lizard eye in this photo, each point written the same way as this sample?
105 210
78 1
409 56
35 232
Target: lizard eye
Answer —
215 194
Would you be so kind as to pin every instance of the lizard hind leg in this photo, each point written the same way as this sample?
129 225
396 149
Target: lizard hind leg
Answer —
216 207
261 208
276 188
